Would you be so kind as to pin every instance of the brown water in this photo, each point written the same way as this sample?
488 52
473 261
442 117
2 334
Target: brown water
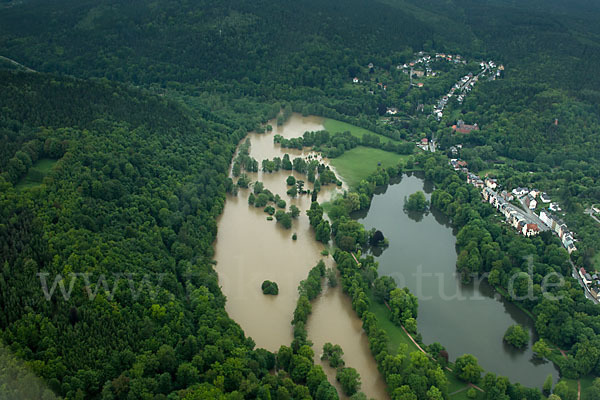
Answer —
333 320
250 249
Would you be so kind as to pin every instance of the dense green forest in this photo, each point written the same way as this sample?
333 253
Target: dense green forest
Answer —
114 163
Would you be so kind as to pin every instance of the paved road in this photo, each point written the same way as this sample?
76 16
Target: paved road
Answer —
534 217
575 275
590 212
17 64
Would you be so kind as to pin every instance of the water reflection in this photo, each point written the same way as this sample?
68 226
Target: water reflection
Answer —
464 317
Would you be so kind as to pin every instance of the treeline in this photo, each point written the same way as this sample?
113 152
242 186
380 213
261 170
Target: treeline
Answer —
334 145
133 203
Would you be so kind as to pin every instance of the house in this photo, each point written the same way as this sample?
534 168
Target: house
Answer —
491 183
392 111
425 141
461 127
545 198
420 84
419 73
370 65
520 191
462 164
534 192
454 150
530 202
506 196
546 218
355 80
571 248
554 207
531 230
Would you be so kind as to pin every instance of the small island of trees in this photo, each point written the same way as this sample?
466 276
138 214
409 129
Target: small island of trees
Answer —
517 336
416 202
269 287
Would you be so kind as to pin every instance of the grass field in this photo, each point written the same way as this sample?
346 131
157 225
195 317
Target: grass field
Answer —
334 126
360 162
395 333
33 177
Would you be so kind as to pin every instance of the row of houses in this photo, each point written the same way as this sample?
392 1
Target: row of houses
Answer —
501 201
513 215
465 84
591 282
560 228
530 197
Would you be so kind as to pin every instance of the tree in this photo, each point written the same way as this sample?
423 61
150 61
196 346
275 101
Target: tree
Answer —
294 211
382 288
468 369
284 219
323 231
416 202
292 192
517 336
563 391
291 181
547 387
349 380
334 354
269 287
541 349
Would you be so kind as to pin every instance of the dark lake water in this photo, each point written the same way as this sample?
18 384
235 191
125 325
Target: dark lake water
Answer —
465 318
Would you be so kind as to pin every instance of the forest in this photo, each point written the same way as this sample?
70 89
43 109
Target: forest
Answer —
116 152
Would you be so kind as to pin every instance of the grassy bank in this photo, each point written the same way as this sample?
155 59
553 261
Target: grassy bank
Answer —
360 162
334 126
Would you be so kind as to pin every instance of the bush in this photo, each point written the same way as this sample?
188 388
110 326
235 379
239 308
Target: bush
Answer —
517 336
269 287
281 203
269 210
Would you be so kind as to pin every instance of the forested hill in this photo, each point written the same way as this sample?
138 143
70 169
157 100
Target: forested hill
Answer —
135 186
297 42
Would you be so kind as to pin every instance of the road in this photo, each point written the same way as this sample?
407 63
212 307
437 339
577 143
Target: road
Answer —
534 217
13 62
575 273
590 212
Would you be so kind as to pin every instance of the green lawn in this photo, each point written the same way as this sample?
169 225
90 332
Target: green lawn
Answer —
360 162
36 174
335 126
395 333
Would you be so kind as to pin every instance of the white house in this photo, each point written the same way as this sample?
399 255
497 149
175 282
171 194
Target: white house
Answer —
545 198
520 191
491 183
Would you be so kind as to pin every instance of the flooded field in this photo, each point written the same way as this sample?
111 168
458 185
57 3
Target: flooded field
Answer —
250 249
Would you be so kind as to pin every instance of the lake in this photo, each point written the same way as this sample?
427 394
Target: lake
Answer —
464 318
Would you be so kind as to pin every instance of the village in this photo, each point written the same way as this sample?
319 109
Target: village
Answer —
525 221
462 87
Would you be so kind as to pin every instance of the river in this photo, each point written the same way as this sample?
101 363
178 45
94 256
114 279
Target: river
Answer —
464 318
249 249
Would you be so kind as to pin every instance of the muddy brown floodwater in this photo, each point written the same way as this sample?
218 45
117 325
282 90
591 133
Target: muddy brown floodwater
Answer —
250 249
